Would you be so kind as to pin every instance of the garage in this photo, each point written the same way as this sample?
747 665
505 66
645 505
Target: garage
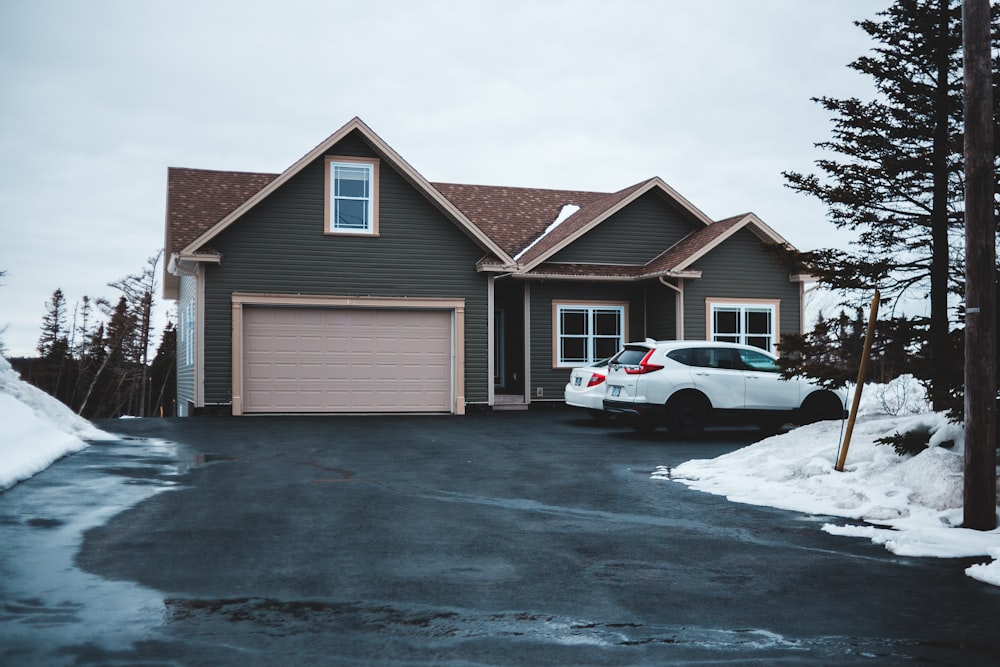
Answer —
344 359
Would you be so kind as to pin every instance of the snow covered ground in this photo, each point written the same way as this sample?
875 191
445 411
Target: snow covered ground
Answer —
37 429
912 505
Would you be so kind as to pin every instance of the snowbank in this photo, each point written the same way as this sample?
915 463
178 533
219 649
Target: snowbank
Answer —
37 429
910 504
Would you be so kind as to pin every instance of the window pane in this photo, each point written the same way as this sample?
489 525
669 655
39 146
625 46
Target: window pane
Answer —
605 347
607 323
350 181
574 322
684 356
573 350
350 214
759 321
727 321
759 362
632 355
763 342
721 358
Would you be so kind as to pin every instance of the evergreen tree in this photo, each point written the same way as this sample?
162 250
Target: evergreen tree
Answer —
162 371
896 176
53 325
139 290
50 370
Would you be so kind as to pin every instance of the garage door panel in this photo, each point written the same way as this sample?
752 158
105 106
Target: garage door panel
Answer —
346 360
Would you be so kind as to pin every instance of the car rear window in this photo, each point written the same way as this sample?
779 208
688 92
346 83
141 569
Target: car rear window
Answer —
632 355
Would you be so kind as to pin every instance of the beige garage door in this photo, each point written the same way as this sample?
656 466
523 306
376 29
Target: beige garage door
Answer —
346 360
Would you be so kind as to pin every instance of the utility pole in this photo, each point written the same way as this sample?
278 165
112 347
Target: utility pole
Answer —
980 273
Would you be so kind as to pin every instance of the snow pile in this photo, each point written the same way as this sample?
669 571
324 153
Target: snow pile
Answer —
564 213
910 504
37 429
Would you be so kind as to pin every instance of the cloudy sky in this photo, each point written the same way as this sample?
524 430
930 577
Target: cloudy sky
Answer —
98 98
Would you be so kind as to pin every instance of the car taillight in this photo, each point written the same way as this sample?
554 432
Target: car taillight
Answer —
595 379
644 366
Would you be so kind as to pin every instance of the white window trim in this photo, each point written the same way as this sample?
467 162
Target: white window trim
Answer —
372 167
743 305
590 306
187 332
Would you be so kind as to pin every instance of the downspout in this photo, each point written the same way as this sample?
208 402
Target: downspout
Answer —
679 288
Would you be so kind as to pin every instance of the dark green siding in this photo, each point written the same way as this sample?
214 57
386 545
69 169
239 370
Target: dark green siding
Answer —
634 235
279 247
551 380
661 311
738 269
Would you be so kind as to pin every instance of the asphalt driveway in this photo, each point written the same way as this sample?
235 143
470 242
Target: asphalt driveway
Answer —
505 539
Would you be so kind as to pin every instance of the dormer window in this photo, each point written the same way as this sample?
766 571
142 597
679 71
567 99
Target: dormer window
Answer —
351 196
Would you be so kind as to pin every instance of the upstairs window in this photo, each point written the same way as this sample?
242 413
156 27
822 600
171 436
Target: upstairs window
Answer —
351 196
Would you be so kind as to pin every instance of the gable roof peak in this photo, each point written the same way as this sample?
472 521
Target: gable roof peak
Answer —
388 154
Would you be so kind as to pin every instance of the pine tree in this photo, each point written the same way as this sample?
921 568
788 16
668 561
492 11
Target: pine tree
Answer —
139 290
53 347
896 177
54 332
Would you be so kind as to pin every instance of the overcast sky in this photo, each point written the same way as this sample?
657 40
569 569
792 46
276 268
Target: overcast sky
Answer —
98 98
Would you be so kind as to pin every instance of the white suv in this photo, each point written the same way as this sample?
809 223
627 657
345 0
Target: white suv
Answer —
684 383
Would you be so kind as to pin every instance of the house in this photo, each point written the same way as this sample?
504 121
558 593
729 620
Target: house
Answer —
349 283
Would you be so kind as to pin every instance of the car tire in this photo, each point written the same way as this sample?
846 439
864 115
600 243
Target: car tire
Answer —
687 415
821 406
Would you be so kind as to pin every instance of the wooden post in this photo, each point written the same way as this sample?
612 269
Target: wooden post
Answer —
980 272
862 376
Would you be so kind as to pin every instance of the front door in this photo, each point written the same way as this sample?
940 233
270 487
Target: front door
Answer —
508 337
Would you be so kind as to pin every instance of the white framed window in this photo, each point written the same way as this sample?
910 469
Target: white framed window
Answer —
351 196
747 322
186 331
587 332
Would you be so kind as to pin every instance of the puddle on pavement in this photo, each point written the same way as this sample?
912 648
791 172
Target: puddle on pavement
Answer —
49 604
441 627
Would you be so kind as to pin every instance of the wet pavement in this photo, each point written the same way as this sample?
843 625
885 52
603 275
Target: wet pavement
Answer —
506 539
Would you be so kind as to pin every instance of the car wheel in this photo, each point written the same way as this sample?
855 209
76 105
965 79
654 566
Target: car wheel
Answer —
821 407
687 415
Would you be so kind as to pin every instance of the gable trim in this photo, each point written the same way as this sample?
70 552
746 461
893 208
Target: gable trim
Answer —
750 221
389 154
652 184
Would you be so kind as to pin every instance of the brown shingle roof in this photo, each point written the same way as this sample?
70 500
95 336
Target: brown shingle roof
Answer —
587 214
198 198
513 217
678 254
